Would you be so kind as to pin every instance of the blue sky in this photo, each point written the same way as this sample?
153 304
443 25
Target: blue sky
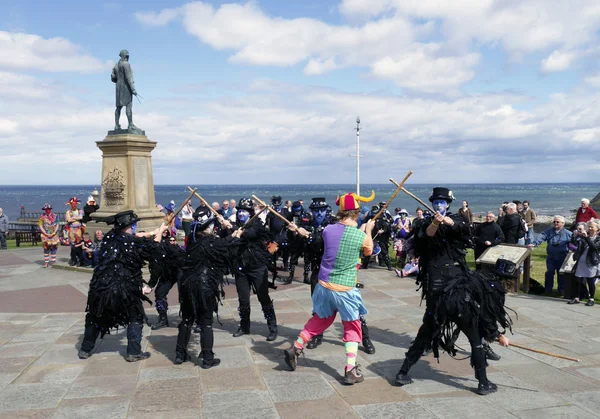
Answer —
268 91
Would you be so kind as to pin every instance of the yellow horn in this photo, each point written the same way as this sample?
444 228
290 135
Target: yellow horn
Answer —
363 199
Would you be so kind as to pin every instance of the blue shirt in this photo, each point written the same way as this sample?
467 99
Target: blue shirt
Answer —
558 242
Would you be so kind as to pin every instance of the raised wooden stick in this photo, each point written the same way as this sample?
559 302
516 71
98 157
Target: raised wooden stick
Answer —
271 210
543 352
382 210
414 197
220 218
189 198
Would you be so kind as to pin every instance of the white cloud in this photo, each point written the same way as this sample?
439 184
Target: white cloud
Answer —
22 51
162 18
558 61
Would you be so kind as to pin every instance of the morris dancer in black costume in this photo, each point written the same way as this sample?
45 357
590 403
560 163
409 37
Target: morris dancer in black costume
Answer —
301 219
457 299
117 290
279 235
201 287
251 268
165 273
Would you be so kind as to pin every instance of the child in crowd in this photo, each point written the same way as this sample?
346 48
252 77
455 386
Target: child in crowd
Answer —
87 248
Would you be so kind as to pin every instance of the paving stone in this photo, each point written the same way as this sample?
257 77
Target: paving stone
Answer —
288 386
547 378
593 373
53 373
109 364
166 396
587 399
24 350
250 404
168 373
59 354
28 414
561 412
409 409
514 394
332 408
230 379
235 357
332 365
7 378
15 365
32 396
115 385
33 335
93 408
463 408
166 414
371 391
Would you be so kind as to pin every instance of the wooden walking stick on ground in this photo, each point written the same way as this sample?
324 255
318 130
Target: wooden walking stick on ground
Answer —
420 201
537 351
272 211
382 210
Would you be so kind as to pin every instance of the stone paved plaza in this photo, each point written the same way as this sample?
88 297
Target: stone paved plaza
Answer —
41 322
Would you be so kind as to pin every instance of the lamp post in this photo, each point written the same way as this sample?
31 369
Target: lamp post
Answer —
357 155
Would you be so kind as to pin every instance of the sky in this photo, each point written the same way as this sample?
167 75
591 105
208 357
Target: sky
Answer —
268 92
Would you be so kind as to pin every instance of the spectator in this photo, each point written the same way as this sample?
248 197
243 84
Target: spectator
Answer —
396 211
510 224
98 237
487 234
232 205
418 220
227 210
411 268
465 211
287 210
86 246
529 216
3 229
587 257
502 212
173 222
558 239
89 208
585 213
519 205
187 217
401 229
215 206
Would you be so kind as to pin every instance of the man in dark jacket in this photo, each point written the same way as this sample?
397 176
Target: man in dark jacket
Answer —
487 234
510 224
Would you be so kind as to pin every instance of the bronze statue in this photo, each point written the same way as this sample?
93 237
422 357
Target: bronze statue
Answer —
123 77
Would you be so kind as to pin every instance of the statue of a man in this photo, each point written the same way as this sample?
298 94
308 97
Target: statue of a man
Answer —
123 77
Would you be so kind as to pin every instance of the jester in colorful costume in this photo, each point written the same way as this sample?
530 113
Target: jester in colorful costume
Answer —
48 223
74 217
336 290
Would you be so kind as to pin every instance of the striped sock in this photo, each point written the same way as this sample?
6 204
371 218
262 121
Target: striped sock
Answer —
53 255
351 352
301 341
46 258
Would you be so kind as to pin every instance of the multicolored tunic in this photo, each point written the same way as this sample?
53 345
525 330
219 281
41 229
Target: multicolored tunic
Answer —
75 227
49 224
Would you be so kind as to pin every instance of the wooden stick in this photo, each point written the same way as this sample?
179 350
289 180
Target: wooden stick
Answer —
206 204
382 210
543 352
271 210
181 207
414 197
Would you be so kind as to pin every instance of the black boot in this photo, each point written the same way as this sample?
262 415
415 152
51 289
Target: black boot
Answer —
388 263
366 341
402 378
290 277
244 328
306 278
485 386
269 312
208 360
489 353
315 341
183 339
163 321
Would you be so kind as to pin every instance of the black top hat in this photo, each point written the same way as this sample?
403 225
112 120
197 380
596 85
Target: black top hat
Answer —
442 193
203 217
246 204
318 203
122 219
276 200
296 205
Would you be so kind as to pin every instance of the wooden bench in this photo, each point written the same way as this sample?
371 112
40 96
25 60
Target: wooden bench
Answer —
33 237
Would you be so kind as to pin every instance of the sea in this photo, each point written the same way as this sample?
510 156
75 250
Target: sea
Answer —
545 198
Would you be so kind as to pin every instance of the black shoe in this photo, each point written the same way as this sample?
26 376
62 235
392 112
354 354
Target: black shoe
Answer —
368 346
490 354
484 389
180 358
272 334
138 357
306 279
204 364
403 379
83 354
241 332
288 280
314 342
574 301
291 357
196 329
71 262
163 321
590 303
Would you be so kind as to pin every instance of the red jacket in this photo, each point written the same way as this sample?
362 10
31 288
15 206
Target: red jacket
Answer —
584 217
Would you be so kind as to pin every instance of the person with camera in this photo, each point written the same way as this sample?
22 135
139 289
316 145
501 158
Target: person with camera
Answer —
558 238
587 257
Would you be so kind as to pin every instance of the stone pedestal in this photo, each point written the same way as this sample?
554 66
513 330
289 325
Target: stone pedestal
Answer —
127 181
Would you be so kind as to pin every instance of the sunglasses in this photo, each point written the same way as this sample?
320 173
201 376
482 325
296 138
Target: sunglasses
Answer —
172 240
557 222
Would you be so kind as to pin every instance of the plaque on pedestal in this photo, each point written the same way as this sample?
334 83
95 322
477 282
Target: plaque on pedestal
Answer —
127 181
